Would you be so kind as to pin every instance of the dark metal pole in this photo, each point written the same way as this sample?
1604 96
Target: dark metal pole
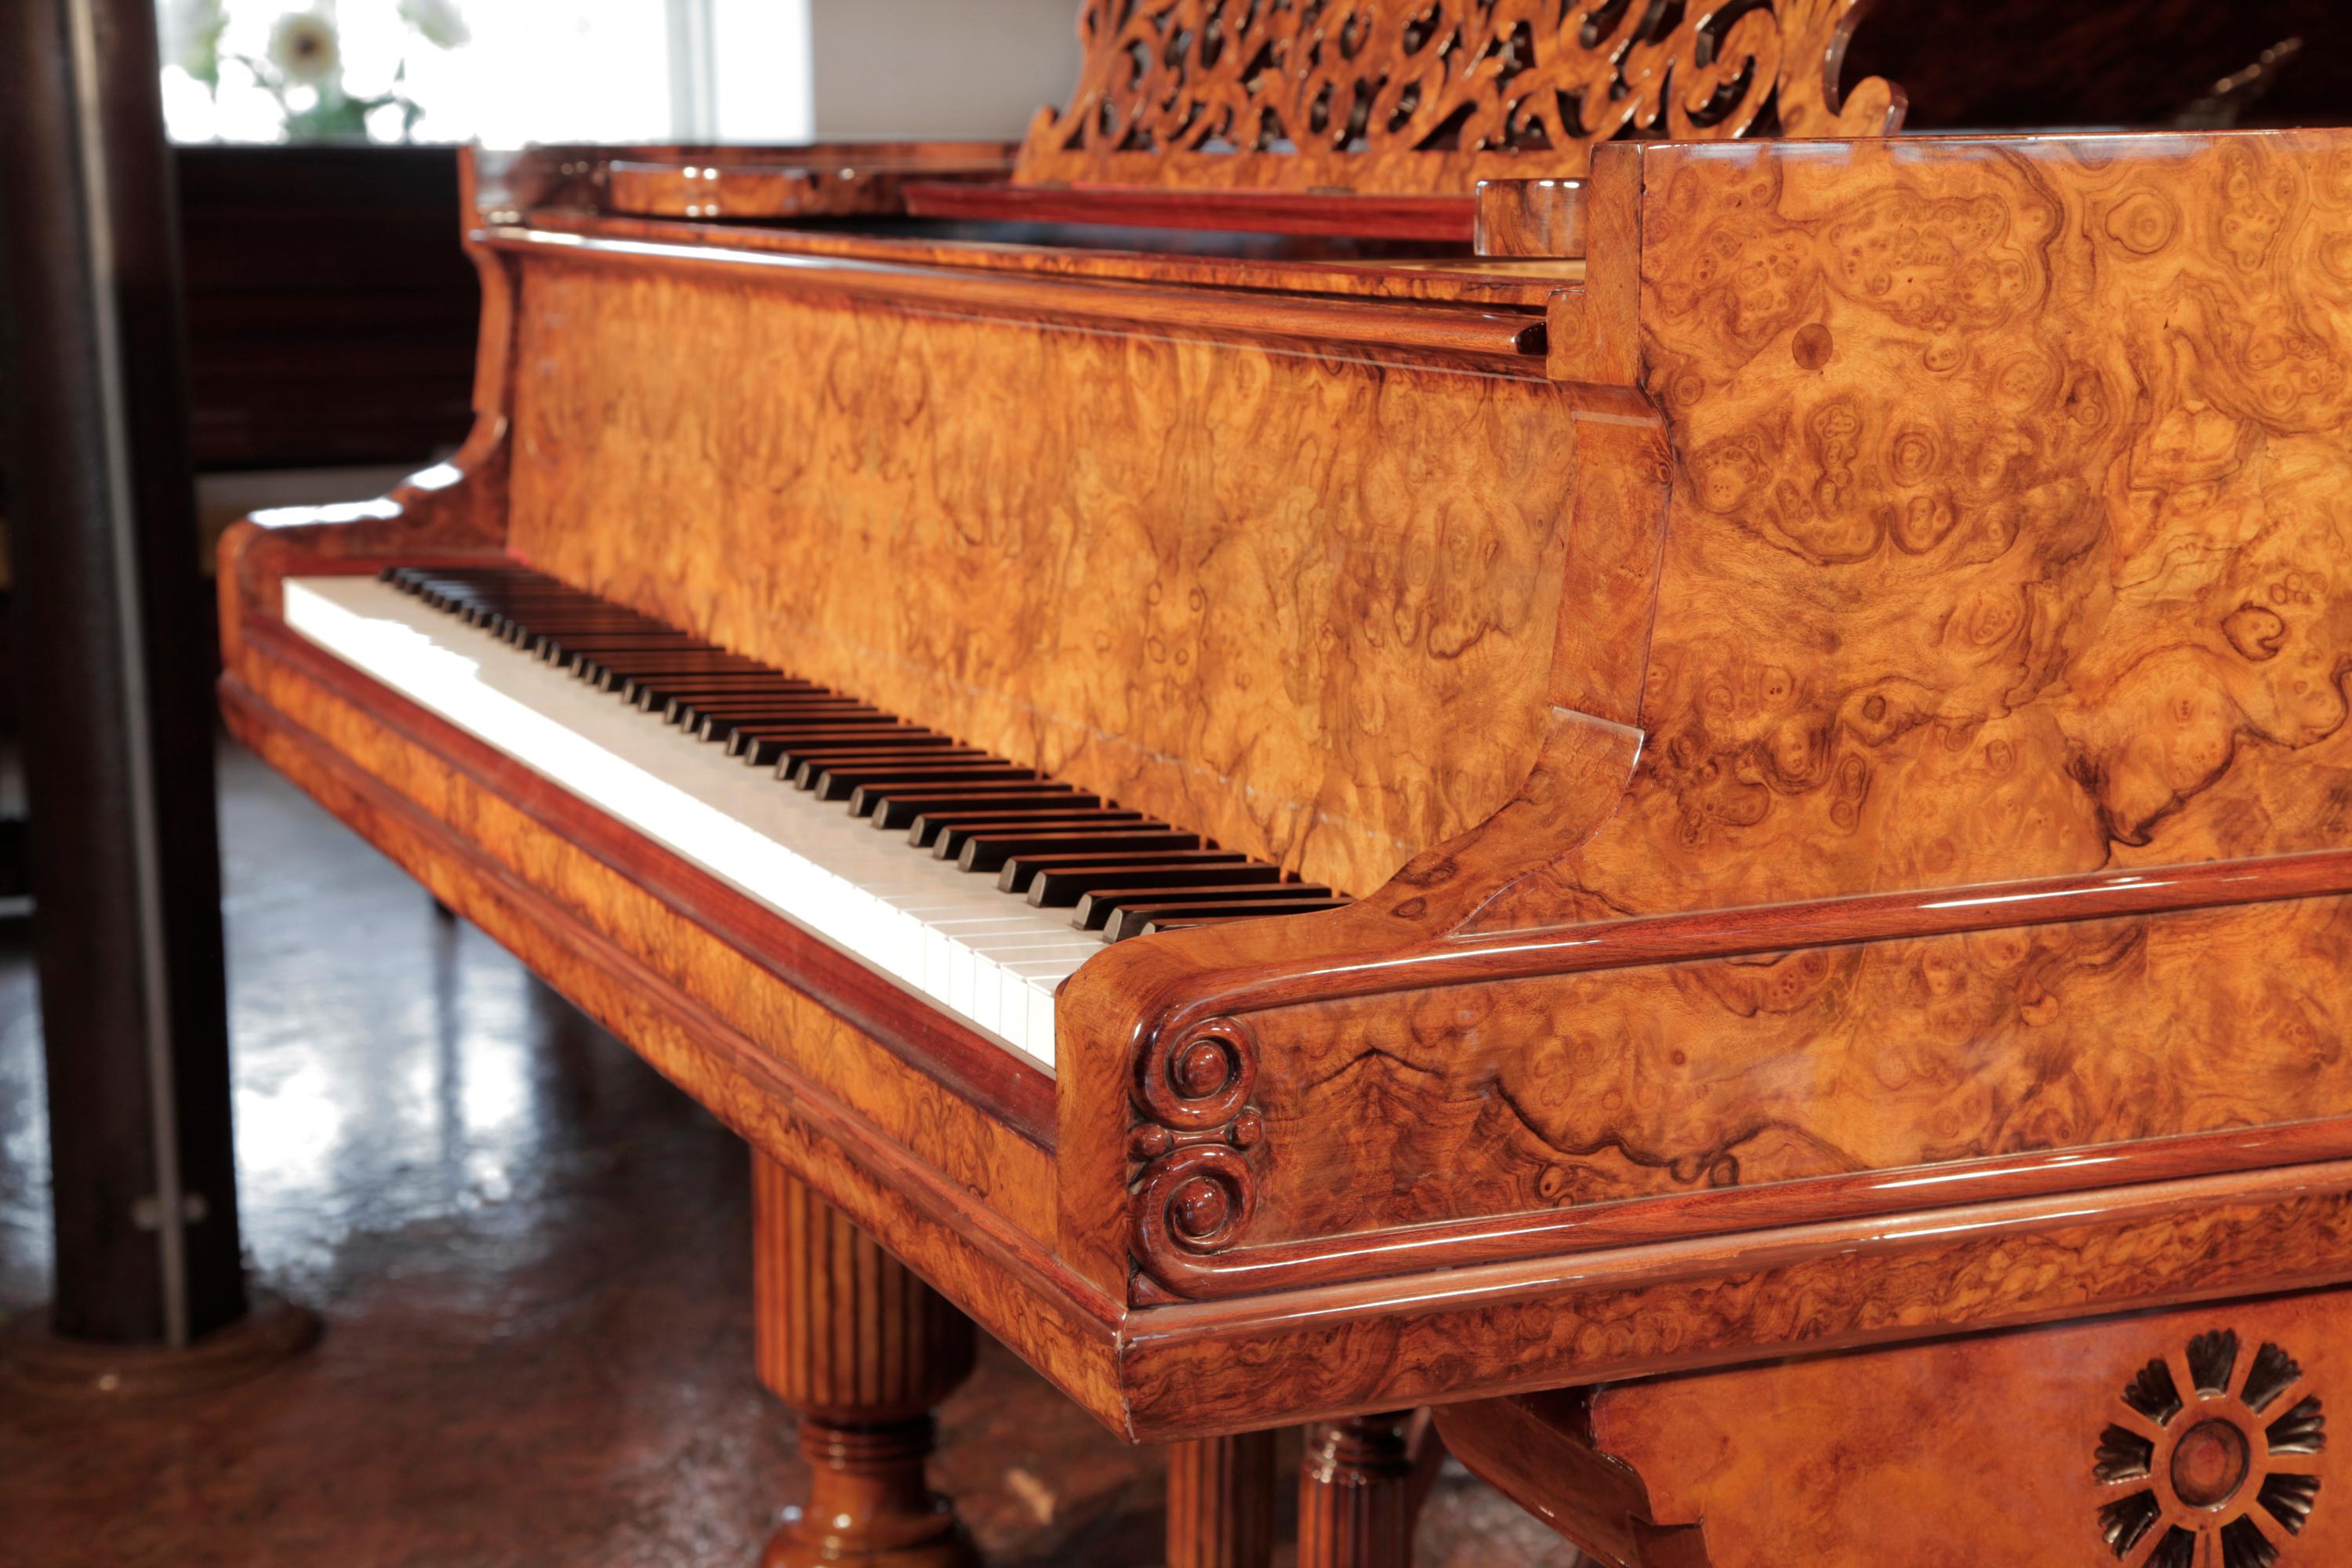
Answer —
115 705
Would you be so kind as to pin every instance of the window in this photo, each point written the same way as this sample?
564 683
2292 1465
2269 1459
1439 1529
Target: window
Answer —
504 73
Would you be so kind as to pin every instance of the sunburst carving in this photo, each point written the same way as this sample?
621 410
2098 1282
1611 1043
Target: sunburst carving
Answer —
2211 1458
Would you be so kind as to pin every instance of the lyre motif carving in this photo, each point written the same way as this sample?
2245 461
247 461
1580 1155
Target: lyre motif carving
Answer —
1428 94
2212 1458
1195 1193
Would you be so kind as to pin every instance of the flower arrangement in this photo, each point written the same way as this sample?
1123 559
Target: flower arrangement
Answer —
301 66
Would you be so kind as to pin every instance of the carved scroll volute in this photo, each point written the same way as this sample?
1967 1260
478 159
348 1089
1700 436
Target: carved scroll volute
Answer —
1432 95
1817 34
1195 1193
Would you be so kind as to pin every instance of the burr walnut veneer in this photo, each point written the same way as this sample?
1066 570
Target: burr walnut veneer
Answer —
1829 713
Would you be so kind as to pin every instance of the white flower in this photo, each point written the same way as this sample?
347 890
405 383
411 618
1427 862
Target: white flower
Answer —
303 44
443 25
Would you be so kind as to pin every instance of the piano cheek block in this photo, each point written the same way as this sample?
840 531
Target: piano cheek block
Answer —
1749 823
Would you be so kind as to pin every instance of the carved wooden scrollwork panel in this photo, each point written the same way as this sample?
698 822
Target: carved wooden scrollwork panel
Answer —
1432 95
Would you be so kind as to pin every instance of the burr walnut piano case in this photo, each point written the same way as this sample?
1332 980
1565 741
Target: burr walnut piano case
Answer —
1830 710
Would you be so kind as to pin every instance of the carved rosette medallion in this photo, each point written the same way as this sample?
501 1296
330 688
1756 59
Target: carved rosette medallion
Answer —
2211 1458
1428 95
1193 1190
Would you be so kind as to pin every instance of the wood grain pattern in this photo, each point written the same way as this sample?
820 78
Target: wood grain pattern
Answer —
2014 1448
1493 342
1341 1349
1415 97
815 180
1309 614
1530 217
2104 722
2025 461
1220 1503
1345 214
861 1350
1291 269
1680 976
1355 1493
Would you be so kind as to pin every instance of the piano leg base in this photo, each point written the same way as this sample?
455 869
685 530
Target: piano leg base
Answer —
861 1349
869 1503
1356 1493
1220 1503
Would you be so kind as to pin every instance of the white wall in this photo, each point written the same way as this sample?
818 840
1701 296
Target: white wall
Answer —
940 68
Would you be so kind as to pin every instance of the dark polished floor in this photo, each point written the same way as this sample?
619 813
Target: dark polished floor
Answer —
532 1258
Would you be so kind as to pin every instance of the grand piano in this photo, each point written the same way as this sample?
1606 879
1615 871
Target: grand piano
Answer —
1495 709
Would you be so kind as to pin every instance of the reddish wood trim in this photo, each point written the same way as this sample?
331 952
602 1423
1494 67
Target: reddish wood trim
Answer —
1502 341
699 188
1467 281
990 1076
1448 219
1199 1368
1922 1190
1483 958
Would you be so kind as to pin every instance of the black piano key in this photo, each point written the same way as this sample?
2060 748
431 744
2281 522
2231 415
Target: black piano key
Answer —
654 691
602 670
990 852
718 723
843 780
1050 841
712 666
583 657
906 803
949 842
770 749
784 718
751 702
1061 886
1016 873
1095 909
932 829
801 760
1139 920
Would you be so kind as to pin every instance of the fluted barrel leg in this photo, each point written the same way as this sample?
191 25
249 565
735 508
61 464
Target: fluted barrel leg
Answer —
861 1350
1220 1503
1356 1494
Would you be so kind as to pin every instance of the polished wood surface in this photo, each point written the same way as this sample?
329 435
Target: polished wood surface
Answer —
1530 218
1355 1493
1220 1503
1399 97
2194 1437
862 1350
1327 681
2072 702
1830 708
849 179
1351 214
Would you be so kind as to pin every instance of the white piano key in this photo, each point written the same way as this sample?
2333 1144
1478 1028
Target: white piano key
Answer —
941 932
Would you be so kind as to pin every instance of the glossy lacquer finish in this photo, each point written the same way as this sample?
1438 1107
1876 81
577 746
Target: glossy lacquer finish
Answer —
2194 1437
1834 742
1901 655
1199 94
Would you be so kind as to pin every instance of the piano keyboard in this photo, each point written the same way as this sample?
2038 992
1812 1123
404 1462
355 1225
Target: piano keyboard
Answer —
981 884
